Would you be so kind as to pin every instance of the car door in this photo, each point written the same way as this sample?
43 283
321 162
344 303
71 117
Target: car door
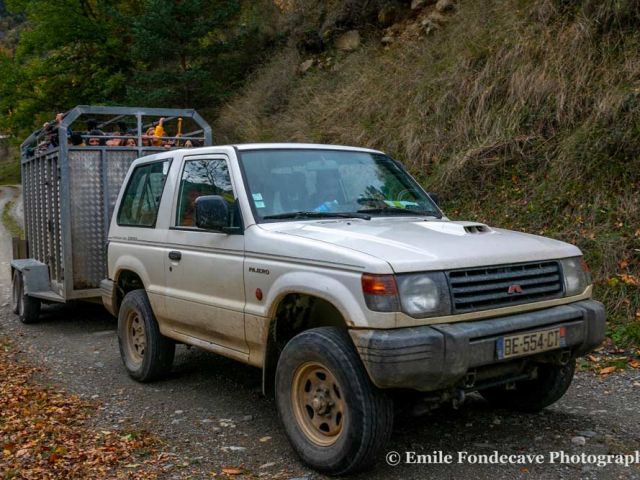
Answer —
204 269
140 237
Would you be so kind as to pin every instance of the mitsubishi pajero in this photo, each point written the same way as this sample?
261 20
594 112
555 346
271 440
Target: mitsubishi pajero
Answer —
332 270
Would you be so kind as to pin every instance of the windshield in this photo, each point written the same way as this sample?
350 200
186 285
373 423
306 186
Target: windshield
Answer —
318 183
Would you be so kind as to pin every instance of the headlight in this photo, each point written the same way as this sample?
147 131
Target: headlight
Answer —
576 275
424 294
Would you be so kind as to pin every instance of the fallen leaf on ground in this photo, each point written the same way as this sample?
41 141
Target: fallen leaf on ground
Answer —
232 471
630 279
50 432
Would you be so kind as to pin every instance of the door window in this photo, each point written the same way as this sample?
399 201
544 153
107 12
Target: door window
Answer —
139 207
199 178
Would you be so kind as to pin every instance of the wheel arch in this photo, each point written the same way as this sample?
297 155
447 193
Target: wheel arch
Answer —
293 313
125 280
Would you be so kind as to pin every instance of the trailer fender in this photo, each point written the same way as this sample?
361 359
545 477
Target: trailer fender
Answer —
35 274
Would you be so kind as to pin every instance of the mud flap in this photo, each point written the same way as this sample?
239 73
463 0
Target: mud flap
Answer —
19 247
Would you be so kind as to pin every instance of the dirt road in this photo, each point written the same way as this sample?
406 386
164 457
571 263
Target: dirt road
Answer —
210 413
7 194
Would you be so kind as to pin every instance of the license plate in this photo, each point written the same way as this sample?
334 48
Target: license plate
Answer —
530 343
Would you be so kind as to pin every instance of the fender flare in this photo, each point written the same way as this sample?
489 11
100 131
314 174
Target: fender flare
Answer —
316 285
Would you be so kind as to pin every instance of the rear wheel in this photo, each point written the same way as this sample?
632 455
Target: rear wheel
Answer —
145 352
27 308
16 292
550 385
335 418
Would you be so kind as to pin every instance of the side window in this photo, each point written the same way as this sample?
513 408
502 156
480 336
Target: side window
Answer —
201 177
139 207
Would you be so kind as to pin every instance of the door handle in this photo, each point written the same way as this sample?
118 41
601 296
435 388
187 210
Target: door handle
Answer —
174 255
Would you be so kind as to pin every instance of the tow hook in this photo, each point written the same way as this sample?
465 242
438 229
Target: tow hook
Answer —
565 357
470 380
557 358
458 398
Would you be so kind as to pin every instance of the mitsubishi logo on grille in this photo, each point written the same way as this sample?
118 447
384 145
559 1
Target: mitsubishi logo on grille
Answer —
514 289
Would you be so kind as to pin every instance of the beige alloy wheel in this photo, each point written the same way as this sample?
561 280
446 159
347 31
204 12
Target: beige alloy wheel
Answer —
336 420
136 339
146 353
318 403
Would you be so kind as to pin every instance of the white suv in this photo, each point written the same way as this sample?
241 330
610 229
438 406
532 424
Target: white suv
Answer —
331 269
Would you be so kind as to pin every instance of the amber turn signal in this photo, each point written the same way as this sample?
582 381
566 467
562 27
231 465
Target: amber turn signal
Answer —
380 292
379 284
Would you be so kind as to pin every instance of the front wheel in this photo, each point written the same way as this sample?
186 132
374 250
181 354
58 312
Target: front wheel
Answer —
27 308
145 352
334 417
550 385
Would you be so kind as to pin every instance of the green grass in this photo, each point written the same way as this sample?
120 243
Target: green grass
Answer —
10 222
626 334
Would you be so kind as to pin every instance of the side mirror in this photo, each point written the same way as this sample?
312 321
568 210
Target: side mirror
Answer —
435 197
212 213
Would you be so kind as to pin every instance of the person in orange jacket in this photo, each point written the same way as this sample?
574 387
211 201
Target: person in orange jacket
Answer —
158 133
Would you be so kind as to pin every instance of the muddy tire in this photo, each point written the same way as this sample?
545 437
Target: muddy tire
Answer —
336 420
146 353
27 308
16 285
533 395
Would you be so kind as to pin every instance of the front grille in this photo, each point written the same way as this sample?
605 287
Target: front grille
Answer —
492 287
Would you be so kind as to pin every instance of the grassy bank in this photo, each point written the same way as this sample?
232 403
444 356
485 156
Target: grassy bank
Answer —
9 221
520 114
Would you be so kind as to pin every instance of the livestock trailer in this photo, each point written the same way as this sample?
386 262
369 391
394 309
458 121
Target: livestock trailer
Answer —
70 184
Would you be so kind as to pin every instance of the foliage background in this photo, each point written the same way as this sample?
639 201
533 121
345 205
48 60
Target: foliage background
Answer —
58 54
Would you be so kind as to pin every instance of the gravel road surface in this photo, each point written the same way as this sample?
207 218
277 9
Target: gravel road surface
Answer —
210 411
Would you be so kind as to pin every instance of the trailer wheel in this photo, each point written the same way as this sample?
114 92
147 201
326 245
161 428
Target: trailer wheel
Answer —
533 395
15 290
334 417
145 352
27 308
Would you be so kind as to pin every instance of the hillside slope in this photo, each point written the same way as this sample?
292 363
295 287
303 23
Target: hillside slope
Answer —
522 114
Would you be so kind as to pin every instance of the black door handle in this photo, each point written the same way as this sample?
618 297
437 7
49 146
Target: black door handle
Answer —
174 255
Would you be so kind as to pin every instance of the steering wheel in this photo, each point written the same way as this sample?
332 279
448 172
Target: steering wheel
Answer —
404 192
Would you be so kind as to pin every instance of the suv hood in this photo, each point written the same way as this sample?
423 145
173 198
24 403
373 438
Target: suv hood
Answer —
416 244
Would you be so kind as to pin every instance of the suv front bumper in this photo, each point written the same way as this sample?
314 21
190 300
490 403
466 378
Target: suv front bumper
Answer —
439 356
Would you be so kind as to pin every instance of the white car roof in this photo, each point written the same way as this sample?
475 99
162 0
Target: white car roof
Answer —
252 146
308 146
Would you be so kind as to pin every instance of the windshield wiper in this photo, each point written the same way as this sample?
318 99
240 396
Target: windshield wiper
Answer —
401 211
312 214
